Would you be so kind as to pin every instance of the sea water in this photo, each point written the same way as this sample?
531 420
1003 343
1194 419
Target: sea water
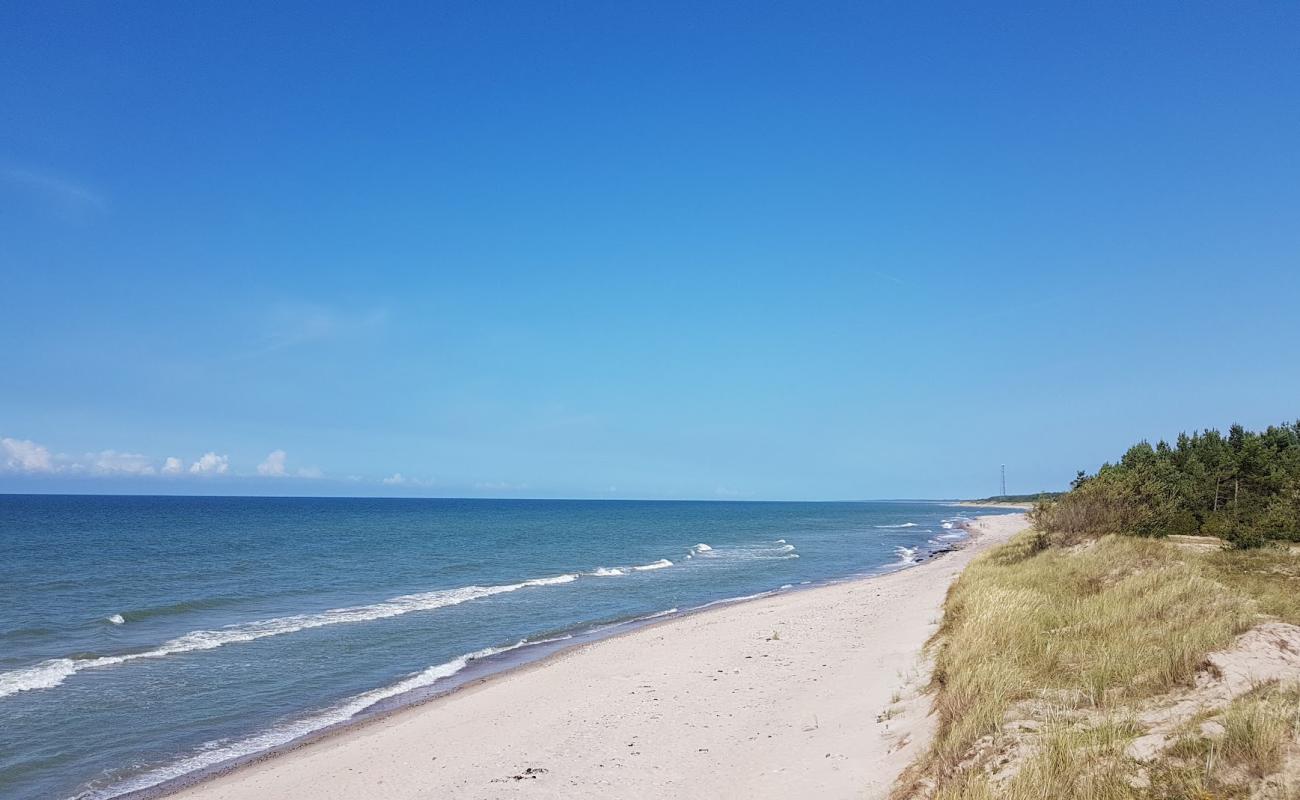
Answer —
143 639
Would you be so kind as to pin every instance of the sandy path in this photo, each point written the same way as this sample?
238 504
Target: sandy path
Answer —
706 706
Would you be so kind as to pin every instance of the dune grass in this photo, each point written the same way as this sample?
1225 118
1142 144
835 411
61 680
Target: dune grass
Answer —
1123 618
1066 639
1270 575
1078 763
1258 726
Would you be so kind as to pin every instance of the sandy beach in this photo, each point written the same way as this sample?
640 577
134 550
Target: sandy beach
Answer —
807 694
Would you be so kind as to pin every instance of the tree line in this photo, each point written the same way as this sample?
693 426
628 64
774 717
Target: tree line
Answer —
1243 487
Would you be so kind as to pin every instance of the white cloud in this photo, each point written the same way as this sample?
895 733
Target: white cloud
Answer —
210 464
273 466
23 455
28 457
111 462
398 479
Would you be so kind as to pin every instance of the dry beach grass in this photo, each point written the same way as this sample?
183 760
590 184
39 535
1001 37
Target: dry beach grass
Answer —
1111 668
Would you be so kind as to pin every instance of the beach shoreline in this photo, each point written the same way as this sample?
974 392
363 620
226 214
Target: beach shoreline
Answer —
497 709
987 504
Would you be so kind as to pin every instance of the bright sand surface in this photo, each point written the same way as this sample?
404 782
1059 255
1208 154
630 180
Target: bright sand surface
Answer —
779 697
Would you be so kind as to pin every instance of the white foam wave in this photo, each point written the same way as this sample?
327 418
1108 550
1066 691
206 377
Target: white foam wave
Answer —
116 619
904 525
607 572
946 525
215 753
906 555
662 563
746 553
702 548
49 674
45 675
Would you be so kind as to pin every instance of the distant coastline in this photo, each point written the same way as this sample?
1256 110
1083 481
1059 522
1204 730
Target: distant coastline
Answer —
1022 505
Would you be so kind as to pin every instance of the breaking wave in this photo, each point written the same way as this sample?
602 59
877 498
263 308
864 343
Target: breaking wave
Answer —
215 753
906 555
662 563
49 674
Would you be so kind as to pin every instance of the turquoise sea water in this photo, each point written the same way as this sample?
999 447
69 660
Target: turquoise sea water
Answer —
145 638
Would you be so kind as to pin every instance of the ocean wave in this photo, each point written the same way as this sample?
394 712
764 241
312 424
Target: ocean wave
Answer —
702 548
607 572
662 563
49 674
719 556
729 600
625 621
214 753
45 675
183 607
116 619
904 525
906 555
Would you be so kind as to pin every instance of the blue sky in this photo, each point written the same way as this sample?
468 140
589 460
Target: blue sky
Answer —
733 250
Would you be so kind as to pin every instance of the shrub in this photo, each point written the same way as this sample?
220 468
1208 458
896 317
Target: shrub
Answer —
1244 487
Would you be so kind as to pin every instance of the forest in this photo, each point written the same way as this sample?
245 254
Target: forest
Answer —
1243 487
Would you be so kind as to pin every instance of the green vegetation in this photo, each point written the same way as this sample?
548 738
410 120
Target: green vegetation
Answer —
1266 575
1258 727
1243 487
1059 651
1047 636
1051 648
1020 498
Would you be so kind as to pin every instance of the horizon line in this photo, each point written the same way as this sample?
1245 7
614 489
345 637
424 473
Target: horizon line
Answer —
488 499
